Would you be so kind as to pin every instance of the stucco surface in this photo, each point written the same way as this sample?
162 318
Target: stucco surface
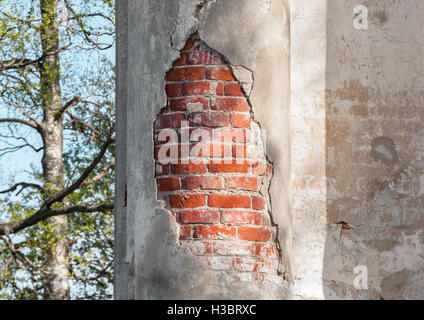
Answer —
343 114
157 267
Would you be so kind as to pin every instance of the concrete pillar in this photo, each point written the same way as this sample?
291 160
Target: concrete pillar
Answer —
154 257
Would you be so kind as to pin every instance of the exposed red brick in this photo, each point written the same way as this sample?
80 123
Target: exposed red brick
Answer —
230 135
180 104
173 89
258 203
244 183
203 58
188 168
233 89
239 151
168 184
214 232
241 120
253 234
229 167
262 265
241 217
186 73
169 121
202 87
202 182
185 232
245 264
266 250
181 61
228 231
228 201
199 216
219 73
182 201
230 104
210 119
191 44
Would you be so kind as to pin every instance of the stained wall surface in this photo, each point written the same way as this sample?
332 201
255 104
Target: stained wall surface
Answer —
252 35
342 108
357 135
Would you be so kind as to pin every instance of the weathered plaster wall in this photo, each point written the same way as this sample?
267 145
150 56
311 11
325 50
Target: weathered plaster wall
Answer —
347 187
253 36
357 125
308 112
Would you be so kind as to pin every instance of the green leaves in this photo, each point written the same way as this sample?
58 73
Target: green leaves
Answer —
82 67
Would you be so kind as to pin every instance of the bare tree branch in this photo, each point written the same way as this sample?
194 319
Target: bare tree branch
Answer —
101 174
67 105
42 214
21 121
24 185
62 194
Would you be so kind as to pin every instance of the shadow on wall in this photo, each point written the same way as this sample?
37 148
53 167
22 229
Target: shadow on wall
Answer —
374 150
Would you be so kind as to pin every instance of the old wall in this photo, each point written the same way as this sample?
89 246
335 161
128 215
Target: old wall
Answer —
252 35
357 125
346 193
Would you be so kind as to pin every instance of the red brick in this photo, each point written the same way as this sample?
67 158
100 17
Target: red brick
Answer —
219 73
258 203
253 234
266 250
180 104
241 120
214 232
262 265
245 264
185 232
180 61
203 58
210 119
168 184
199 216
173 89
229 135
239 248
169 121
266 221
161 170
239 151
233 89
230 104
170 135
198 247
185 73
202 87
259 168
188 168
228 201
210 150
202 182
239 217
229 167
182 201
191 43
164 152
243 183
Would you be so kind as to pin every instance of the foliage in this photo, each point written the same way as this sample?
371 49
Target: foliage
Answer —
86 76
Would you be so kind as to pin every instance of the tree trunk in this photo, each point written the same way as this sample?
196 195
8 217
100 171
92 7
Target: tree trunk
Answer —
52 133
